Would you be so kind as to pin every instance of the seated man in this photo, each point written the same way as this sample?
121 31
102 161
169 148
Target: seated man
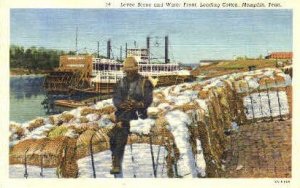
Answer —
132 96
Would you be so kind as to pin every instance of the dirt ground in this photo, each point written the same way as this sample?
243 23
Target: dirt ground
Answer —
260 150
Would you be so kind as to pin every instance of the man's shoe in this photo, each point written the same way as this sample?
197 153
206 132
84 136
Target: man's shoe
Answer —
115 170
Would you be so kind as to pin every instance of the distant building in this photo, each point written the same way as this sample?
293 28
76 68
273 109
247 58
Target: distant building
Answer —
280 55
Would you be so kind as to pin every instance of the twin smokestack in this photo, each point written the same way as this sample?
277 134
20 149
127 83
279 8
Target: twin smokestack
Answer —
148 48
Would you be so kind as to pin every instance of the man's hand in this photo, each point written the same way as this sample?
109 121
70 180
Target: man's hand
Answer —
131 104
136 104
126 105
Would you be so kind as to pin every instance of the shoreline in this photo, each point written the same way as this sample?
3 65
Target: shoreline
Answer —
26 75
25 72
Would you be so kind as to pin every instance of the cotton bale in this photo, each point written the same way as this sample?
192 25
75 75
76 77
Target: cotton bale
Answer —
106 110
203 94
35 124
57 131
87 110
153 112
66 117
16 129
266 82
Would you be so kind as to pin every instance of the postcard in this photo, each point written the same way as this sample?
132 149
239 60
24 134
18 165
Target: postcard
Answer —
149 91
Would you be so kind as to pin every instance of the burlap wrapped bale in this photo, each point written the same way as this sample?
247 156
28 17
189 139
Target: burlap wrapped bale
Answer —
87 110
197 87
53 150
158 98
289 93
98 140
87 126
66 117
106 110
49 149
186 107
216 129
279 79
57 131
266 82
68 167
211 152
159 95
83 120
16 129
112 117
53 119
35 124
18 151
223 95
241 86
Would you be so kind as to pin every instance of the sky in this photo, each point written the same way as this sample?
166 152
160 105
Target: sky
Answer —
194 35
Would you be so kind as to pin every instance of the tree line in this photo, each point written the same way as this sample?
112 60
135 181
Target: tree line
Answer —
34 58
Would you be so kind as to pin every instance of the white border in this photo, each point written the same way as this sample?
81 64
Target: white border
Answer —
5 6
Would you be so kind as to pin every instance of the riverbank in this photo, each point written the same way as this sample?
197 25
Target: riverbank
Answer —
24 72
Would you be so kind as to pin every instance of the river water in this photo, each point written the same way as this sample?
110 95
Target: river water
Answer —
28 100
26 96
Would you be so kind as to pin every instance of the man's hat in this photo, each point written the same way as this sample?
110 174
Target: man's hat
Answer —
130 63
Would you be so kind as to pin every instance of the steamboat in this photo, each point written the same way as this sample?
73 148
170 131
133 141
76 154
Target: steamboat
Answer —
92 76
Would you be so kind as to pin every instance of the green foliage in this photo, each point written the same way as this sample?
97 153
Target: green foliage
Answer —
34 58
57 131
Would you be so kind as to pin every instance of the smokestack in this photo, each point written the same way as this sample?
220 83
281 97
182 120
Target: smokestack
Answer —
166 49
126 50
148 48
98 49
120 53
108 49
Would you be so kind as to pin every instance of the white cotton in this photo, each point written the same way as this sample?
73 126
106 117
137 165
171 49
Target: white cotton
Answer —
141 167
39 132
13 142
141 126
178 122
179 100
165 106
259 105
17 171
234 126
287 78
166 91
14 136
26 125
47 121
191 94
252 82
199 158
202 104
269 73
105 121
215 83
76 112
92 117
103 103
71 133
153 110
176 89
15 123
